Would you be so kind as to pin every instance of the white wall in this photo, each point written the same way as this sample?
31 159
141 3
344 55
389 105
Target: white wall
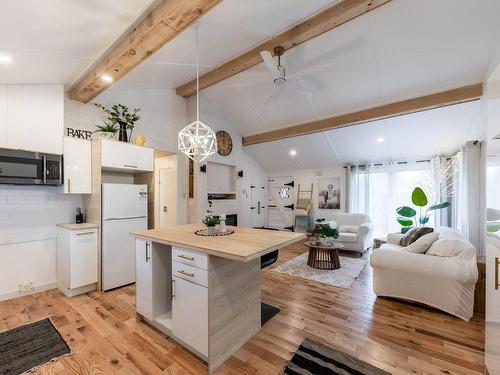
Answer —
28 215
211 116
306 177
28 218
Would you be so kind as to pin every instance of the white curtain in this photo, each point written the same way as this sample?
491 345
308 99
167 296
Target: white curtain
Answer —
358 181
468 197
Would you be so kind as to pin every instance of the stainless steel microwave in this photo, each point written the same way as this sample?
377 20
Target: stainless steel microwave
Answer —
30 168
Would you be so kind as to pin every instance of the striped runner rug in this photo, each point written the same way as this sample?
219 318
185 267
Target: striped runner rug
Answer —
315 359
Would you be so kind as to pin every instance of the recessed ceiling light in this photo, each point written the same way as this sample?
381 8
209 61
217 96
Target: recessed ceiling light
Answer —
106 78
5 59
380 140
293 152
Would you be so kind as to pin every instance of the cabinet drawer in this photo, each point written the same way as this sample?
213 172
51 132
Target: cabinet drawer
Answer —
190 273
190 257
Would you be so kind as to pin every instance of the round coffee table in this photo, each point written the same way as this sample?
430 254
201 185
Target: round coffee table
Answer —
324 257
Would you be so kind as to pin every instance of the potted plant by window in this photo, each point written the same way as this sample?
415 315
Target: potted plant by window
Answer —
324 232
107 131
211 221
124 117
407 216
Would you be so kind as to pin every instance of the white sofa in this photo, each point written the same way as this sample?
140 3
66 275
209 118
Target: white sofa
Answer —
445 281
359 241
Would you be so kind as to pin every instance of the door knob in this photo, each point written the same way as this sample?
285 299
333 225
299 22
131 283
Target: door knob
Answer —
164 208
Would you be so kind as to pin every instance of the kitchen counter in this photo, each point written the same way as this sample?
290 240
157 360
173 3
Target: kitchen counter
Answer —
244 245
81 226
204 292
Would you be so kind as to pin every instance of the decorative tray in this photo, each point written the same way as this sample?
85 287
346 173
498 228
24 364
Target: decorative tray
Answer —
218 233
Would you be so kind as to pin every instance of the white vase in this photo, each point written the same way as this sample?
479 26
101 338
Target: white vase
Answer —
324 241
211 230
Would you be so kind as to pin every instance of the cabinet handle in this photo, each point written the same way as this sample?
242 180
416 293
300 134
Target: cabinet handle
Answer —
173 288
130 166
497 263
186 273
69 185
83 234
185 257
148 257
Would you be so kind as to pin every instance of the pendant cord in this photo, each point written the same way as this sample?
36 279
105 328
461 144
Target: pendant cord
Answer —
197 79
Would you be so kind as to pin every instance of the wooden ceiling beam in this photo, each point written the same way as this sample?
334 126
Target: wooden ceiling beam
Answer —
328 19
404 107
160 25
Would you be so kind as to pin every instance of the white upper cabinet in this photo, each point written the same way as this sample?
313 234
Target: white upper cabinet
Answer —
124 156
77 166
32 117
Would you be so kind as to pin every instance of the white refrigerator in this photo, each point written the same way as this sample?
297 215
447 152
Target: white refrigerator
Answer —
124 210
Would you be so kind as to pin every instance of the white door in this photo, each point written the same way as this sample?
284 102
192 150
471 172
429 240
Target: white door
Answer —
190 314
167 197
281 203
118 251
258 191
122 201
144 282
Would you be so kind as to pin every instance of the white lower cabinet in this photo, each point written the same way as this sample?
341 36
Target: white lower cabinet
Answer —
190 314
76 260
144 279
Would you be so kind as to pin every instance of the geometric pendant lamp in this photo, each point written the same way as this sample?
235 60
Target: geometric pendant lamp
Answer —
197 140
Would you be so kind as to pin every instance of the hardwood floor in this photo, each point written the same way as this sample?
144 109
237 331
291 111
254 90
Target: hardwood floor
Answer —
399 337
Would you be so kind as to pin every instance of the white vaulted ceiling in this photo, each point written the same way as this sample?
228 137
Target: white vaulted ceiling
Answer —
411 137
54 41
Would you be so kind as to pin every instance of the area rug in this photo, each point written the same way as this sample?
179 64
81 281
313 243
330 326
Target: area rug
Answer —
25 348
344 277
315 359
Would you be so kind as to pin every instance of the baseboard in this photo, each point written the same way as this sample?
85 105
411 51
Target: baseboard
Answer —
36 289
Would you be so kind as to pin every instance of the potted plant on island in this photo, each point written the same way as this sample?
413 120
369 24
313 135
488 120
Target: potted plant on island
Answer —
408 215
211 221
123 116
108 130
323 232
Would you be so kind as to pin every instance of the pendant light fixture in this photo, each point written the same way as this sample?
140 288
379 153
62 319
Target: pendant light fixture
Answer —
197 140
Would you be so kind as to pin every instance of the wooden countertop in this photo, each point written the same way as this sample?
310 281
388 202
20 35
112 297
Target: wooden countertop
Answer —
78 226
243 245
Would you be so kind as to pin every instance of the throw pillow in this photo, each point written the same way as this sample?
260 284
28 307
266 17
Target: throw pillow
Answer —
414 234
349 228
448 247
421 245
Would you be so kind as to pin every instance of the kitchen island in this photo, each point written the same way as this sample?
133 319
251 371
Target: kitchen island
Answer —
204 292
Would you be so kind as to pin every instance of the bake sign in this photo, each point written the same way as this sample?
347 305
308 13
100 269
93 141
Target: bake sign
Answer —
77 133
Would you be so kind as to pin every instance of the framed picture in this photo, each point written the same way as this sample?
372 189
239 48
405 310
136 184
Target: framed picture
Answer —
329 193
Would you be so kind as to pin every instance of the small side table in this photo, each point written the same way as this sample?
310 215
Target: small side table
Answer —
324 257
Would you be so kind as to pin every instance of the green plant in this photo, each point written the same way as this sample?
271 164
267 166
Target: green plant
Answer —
211 221
106 128
121 115
408 215
325 230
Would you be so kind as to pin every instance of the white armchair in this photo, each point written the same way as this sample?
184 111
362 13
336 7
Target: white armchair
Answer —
444 277
360 237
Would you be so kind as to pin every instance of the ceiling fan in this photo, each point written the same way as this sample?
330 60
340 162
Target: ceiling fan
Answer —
280 79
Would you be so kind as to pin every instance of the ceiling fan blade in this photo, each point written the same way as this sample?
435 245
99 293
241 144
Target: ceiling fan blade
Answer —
271 65
277 90
251 84
311 69
299 88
